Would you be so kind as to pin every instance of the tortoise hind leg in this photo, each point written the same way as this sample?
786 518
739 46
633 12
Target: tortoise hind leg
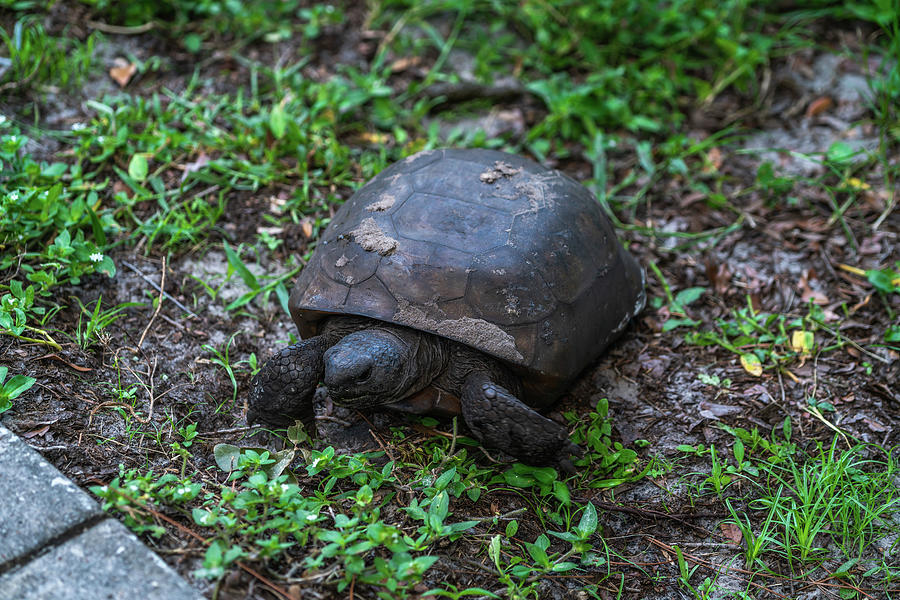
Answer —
502 421
283 389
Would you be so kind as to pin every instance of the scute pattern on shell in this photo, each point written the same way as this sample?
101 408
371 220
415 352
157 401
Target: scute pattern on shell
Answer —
520 249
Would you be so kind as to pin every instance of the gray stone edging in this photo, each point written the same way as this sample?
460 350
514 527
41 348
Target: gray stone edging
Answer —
55 542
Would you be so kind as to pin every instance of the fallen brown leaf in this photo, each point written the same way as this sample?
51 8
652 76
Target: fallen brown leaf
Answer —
122 72
65 362
402 64
36 432
719 276
818 106
732 532
712 410
714 160
192 167
875 425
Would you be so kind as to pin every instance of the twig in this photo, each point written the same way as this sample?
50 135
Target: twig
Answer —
838 335
699 561
162 287
333 419
155 286
653 514
48 448
381 444
814 410
107 404
224 431
121 30
452 447
887 210
504 517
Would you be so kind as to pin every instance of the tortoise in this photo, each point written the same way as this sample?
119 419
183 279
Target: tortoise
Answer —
456 281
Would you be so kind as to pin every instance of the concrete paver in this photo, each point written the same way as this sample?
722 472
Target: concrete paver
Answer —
55 542
39 504
106 562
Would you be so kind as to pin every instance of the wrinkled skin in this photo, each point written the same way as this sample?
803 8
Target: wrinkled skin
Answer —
365 364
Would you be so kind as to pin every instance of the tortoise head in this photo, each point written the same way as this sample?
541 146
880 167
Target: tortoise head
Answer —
369 368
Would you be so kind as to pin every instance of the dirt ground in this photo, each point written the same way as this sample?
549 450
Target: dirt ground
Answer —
780 257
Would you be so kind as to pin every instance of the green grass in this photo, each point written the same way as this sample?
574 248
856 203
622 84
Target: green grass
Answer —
830 498
806 511
33 60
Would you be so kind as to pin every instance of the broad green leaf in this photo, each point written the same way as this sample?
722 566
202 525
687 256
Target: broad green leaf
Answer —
884 281
445 478
739 451
588 523
203 517
689 295
364 495
892 334
511 528
518 479
138 167
561 492
96 227
673 323
608 483
226 456
16 385
751 364
802 342
494 551
840 153
278 121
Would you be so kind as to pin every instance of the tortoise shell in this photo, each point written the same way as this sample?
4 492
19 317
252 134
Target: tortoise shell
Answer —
483 247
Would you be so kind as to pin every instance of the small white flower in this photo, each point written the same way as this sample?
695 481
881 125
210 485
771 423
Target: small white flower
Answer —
78 126
96 257
14 195
2 119
14 138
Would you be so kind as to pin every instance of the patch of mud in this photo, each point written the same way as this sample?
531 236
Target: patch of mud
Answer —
500 170
382 204
372 239
477 333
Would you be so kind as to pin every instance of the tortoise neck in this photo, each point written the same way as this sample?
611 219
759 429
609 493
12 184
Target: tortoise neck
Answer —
465 361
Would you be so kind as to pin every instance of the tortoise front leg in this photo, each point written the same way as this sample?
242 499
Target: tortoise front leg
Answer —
283 389
502 421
